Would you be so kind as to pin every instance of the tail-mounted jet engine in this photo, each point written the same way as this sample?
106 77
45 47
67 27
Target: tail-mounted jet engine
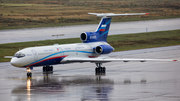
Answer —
103 49
88 37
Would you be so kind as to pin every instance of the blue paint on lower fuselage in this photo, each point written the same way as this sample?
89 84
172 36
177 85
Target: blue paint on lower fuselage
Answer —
48 62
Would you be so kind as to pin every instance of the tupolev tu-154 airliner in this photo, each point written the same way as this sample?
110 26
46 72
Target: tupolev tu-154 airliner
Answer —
94 44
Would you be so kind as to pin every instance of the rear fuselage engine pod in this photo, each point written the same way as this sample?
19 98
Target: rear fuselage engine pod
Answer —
88 37
103 49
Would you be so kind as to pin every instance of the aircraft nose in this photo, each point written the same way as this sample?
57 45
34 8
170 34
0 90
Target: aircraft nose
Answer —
15 62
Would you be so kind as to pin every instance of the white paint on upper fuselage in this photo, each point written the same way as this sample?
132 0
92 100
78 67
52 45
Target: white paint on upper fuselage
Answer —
35 55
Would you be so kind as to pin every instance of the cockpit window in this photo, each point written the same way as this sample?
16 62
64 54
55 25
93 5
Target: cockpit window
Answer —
19 55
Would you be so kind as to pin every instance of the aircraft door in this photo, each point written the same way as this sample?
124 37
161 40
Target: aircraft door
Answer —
35 55
78 49
76 53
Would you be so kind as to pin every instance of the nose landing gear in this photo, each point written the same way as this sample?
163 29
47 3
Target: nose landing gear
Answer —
29 74
45 69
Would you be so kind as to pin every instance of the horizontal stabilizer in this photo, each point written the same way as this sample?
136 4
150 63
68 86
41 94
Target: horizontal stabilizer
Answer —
112 14
8 56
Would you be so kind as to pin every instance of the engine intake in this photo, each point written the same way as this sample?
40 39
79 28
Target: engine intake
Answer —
103 49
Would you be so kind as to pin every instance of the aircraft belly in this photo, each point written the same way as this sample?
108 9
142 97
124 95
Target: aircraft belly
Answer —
48 61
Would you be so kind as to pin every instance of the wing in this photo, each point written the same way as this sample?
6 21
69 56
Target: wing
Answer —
103 60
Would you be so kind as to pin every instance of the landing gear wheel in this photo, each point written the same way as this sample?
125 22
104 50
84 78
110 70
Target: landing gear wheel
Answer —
51 68
97 70
100 70
103 69
47 68
29 74
44 69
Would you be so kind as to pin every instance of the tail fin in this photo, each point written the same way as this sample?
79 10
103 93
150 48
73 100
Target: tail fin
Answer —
103 28
101 32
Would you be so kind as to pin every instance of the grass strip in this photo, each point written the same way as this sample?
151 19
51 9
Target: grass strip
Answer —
15 14
119 42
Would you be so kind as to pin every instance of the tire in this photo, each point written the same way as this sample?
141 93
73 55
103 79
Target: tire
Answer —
97 70
44 69
47 68
51 68
29 74
103 70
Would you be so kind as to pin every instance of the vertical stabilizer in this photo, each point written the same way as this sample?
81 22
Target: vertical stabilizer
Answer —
102 30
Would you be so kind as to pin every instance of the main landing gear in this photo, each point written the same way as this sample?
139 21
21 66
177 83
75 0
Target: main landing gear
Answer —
99 69
47 68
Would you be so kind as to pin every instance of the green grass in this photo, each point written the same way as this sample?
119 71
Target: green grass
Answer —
16 14
144 40
119 42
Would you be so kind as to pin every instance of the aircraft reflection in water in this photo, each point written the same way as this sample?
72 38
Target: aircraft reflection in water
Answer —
28 85
64 88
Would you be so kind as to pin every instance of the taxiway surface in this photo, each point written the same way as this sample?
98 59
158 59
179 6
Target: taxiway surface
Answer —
148 81
47 33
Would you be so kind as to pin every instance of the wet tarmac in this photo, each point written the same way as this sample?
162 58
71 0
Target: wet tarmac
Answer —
48 33
132 81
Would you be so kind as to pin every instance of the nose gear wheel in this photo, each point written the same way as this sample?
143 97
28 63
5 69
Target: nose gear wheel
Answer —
29 74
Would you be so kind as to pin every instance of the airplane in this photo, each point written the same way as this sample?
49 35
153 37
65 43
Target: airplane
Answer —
94 44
